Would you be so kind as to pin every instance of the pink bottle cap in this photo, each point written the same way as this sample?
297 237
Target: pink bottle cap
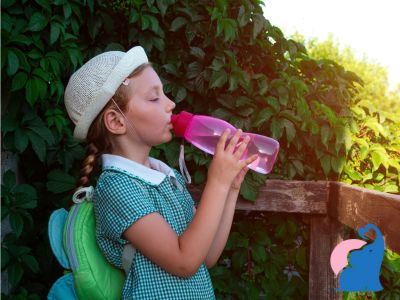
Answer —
180 122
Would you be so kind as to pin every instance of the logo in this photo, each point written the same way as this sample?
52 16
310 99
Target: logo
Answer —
359 270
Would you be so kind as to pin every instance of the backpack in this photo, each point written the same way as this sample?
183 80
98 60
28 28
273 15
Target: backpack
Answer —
72 238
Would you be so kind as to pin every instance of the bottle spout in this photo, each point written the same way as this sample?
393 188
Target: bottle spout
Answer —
180 122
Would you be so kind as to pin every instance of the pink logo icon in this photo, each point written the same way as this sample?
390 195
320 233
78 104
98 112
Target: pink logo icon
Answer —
339 254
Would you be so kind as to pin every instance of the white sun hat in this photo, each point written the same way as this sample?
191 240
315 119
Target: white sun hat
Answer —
91 87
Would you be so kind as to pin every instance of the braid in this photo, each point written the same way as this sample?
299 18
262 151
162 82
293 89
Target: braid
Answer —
87 166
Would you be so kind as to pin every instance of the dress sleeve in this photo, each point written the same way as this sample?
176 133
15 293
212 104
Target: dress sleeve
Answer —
121 200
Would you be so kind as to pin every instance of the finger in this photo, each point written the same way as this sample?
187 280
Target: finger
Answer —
232 143
252 159
222 140
242 147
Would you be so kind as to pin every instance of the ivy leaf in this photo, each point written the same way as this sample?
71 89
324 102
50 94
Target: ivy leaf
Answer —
20 140
338 163
289 129
258 24
218 79
19 81
178 23
31 262
263 116
326 164
15 273
60 182
38 145
37 22
13 62
276 128
258 253
16 222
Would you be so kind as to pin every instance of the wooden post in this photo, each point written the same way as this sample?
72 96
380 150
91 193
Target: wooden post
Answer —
325 234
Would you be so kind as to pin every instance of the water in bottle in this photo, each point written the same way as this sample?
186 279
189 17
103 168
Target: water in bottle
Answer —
204 132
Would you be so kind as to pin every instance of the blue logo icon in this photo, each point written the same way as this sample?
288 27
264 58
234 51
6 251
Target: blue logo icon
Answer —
361 271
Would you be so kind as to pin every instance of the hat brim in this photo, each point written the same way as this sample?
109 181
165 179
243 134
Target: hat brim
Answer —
128 63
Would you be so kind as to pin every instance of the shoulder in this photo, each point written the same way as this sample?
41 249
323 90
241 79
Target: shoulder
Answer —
114 183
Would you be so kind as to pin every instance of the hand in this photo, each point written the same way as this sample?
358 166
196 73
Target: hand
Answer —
237 182
226 165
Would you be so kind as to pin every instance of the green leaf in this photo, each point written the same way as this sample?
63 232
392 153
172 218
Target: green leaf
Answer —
377 158
258 253
16 223
31 262
13 62
181 95
9 179
325 135
326 164
162 6
178 23
38 127
338 163
20 140
54 32
19 81
263 116
31 91
67 10
15 273
37 22
25 196
60 182
38 145
197 52
194 69
239 258
218 79
5 258
276 128
289 129
9 123
258 24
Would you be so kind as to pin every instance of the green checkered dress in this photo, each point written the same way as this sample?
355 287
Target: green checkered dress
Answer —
125 192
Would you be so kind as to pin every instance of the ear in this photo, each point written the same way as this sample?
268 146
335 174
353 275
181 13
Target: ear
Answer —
114 122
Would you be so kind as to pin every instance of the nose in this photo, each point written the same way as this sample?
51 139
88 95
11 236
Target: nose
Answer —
171 104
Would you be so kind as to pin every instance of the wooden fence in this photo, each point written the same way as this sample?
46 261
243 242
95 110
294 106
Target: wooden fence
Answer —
329 205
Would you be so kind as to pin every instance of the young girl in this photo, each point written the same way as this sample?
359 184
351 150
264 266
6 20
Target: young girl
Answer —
117 103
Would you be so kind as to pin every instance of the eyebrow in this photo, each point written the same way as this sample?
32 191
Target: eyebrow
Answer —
155 87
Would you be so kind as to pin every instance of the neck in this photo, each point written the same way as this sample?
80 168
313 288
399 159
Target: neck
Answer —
137 153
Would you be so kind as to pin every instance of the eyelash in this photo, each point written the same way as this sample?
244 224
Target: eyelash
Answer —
154 100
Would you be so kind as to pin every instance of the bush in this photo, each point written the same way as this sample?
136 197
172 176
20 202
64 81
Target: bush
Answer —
214 58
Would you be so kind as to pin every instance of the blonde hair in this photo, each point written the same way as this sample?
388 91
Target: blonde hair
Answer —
98 138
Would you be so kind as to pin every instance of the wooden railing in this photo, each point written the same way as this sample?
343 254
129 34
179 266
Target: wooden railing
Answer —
329 205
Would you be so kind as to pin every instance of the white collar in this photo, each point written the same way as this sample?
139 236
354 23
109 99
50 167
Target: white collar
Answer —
154 175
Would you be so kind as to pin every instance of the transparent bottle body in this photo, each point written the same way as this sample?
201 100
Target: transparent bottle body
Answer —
204 132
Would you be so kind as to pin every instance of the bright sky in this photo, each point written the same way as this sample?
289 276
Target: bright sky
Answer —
369 27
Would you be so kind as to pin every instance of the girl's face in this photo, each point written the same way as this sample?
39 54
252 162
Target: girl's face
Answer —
149 110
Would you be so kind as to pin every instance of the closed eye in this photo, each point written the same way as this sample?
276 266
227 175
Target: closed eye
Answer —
155 99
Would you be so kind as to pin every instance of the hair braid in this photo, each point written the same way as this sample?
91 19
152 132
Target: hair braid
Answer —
87 165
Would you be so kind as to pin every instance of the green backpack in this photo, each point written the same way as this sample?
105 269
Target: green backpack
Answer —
73 241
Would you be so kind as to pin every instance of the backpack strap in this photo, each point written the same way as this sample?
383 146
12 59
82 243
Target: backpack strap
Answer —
128 255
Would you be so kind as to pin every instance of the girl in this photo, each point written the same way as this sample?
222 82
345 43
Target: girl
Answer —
117 103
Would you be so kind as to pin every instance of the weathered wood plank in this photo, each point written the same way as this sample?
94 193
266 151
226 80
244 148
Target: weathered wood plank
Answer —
284 196
325 234
356 207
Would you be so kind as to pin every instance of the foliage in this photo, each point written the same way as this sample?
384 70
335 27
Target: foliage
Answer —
215 58
374 157
374 160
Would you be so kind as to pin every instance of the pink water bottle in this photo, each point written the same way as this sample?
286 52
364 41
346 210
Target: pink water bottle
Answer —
204 133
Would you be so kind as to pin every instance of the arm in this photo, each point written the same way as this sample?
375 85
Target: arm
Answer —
222 235
225 225
183 255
